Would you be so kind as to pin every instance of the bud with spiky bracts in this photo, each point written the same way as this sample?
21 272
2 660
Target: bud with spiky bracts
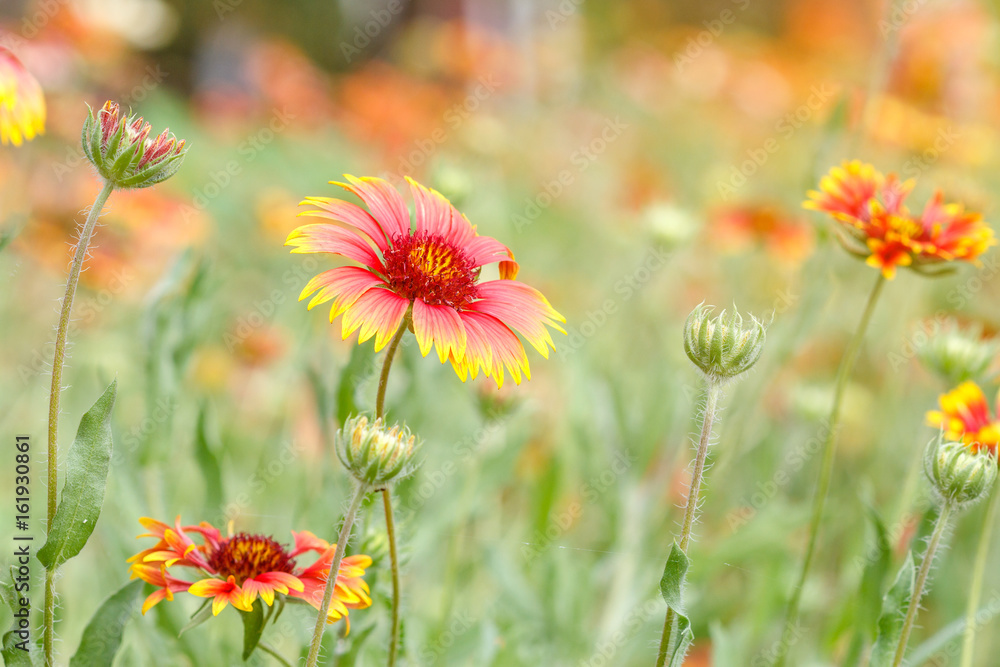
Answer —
121 149
959 355
723 347
958 474
376 455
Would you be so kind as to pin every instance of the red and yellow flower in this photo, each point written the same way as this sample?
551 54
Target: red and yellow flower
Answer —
876 223
965 417
425 276
237 569
22 105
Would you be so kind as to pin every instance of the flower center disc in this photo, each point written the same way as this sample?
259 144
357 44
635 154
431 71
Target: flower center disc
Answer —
245 556
431 269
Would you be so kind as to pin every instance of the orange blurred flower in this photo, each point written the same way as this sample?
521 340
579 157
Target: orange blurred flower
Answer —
763 224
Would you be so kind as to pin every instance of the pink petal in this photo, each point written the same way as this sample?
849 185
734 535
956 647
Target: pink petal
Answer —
520 307
377 311
441 326
343 284
436 215
491 346
385 204
350 214
484 250
336 240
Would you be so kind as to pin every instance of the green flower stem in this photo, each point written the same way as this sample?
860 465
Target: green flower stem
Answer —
976 585
390 524
925 568
58 361
826 467
707 420
345 533
273 653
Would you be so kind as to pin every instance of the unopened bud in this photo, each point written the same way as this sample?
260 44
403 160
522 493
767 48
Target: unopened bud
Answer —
958 474
376 455
722 347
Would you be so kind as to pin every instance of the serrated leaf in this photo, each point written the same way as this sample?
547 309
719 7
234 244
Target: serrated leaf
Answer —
103 635
203 614
350 377
207 461
877 564
12 655
253 627
890 623
86 478
672 590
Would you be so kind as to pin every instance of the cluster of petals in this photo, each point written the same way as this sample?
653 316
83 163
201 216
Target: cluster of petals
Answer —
426 275
965 417
22 104
237 569
877 224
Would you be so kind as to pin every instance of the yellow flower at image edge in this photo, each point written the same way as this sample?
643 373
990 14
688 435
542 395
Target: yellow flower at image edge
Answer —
431 272
243 567
965 417
877 225
22 105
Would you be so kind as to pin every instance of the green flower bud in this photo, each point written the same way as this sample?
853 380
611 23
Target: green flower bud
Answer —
120 148
374 455
958 355
722 347
958 474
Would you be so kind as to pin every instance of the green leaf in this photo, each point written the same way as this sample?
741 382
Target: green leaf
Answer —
83 493
877 563
894 606
354 372
207 462
672 590
203 614
103 635
14 644
253 626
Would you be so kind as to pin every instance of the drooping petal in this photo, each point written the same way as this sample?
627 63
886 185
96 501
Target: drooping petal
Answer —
343 284
385 204
522 308
438 326
492 347
377 312
348 213
222 592
269 583
307 541
336 240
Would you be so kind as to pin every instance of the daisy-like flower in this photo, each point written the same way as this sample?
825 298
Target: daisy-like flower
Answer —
877 225
965 417
22 105
426 275
240 568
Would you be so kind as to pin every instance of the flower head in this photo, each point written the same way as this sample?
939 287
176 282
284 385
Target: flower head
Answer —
426 275
958 474
121 149
877 225
959 355
965 417
722 347
237 569
374 454
22 105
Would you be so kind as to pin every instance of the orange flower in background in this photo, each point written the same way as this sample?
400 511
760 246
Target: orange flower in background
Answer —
243 567
768 225
878 225
22 105
428 275
965 417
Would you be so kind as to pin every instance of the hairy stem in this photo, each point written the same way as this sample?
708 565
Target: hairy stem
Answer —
59 359
691 509
918 589
826 467
976 584
345 533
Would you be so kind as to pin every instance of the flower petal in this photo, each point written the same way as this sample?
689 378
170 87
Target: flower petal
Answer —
377 311
349 214
434 214
336 240
344 284
385 204
440 326
522 308
491 346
